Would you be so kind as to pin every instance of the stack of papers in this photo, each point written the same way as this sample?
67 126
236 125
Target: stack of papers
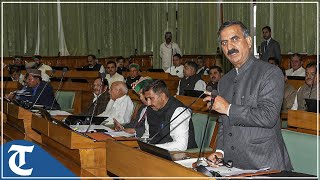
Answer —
222 170
119 134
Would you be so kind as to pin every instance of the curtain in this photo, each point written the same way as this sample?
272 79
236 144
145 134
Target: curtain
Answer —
294 25
120 28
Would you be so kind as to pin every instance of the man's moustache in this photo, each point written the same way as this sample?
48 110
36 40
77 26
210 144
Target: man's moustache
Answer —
232 51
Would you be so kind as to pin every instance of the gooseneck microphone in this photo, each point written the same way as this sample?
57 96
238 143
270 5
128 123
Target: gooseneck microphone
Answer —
44 87
103 76
188 107
213 95
64 70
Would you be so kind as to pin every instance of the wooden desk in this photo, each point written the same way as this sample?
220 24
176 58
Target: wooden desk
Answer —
18 124
154 75
198 106
83 151
296 83
302 121
76 74
125 161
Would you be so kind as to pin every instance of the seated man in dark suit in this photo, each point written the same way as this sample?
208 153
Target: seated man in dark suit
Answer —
169 123
36 92
120 65
190 81
93 65
134 75
100 96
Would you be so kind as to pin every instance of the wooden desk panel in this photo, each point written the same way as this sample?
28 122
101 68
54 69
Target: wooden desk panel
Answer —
20 119
76 74
83 151
198 106
296 83
125 161
303 120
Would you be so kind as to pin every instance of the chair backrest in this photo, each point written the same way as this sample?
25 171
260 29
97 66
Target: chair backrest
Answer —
199 122
302 149
66 100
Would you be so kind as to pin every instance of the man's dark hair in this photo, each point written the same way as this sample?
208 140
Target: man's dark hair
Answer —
312 64
219 69
267 27
276 60
168 33
40 78
157 86
226 24
177 55
14 69
298 55
111 62
105 82
93 56
193 65
119 58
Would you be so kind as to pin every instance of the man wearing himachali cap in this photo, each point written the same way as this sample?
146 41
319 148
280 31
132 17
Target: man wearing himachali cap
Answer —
136 126
36 91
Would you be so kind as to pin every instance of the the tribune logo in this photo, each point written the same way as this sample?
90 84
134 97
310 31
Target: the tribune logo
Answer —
21 150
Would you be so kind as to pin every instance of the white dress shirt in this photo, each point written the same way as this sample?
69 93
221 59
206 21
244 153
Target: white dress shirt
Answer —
114 78
179 131
199 86
121 109
166 53
176 71
299 72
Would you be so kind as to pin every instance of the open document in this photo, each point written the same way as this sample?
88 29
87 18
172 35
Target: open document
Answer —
222 170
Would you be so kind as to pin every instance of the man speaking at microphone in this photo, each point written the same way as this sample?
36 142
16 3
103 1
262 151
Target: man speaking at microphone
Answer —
166 128
249 101
36 89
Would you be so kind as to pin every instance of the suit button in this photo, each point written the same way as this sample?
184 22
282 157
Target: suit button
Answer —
230 134
235 81
232 147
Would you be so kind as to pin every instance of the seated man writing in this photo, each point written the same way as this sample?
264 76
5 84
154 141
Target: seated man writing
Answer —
136 126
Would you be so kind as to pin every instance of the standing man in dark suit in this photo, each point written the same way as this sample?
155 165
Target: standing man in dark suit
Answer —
249 101
269 47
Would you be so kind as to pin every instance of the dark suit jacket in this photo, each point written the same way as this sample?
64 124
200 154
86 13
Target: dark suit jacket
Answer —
46 98
272 50
102 103
251 135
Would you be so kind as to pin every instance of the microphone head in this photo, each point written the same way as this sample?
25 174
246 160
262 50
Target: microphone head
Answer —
209 88
103 75
64 69
214 93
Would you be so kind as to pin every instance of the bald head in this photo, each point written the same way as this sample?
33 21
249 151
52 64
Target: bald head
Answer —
117 90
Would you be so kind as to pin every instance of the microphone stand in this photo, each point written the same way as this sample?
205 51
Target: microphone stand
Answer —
204 133
103 76
64 70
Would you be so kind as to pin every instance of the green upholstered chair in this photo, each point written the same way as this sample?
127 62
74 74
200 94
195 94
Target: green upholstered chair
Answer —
65 100
199 123
302 149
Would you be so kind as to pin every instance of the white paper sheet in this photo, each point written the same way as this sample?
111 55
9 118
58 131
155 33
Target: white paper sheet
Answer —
83 128
119 134
59 113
